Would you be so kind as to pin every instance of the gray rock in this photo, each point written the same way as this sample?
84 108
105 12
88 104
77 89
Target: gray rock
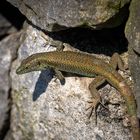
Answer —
44 109
5 26
8 49
132 32
56 15
132 27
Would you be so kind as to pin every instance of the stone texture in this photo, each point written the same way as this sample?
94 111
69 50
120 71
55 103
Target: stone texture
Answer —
132 27
132 32
8 47
5 26
56 15
44 109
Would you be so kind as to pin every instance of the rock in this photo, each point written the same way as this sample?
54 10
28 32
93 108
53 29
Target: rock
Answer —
44 109
132 29
11 21
56 15
132 32
8 48
5 26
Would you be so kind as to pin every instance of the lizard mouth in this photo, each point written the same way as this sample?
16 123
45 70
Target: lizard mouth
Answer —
19 70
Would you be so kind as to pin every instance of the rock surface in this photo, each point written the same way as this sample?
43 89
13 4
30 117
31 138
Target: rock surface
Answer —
44 109
5 26
132 32
8 49
56 15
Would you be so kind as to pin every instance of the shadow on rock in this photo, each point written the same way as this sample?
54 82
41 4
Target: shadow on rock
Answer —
42 83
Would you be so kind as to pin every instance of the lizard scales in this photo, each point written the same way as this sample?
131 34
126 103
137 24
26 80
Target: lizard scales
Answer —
86 65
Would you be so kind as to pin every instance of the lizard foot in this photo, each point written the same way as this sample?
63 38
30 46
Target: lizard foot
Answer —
93 106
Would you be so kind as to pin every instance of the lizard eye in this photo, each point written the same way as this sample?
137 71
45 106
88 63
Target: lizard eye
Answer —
26 67
39 63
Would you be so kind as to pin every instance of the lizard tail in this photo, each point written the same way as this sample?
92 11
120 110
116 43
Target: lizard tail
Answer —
135 127
126 92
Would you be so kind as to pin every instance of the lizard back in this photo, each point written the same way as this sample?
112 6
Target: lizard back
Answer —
75 62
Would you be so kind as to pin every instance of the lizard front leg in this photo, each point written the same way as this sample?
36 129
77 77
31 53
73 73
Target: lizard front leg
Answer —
59 76
55 43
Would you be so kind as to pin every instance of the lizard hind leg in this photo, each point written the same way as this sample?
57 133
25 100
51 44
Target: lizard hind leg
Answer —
96 99
116 61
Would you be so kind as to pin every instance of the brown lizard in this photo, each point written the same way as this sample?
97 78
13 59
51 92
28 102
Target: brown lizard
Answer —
87 65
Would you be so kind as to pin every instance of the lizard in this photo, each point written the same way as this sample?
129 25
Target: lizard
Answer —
86 65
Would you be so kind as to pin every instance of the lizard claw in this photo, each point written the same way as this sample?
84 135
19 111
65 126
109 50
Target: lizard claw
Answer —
93 106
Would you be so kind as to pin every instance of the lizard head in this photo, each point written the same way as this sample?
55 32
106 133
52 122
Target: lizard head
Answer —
31 63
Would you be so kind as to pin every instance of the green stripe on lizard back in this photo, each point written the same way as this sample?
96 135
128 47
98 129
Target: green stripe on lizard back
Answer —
75 62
